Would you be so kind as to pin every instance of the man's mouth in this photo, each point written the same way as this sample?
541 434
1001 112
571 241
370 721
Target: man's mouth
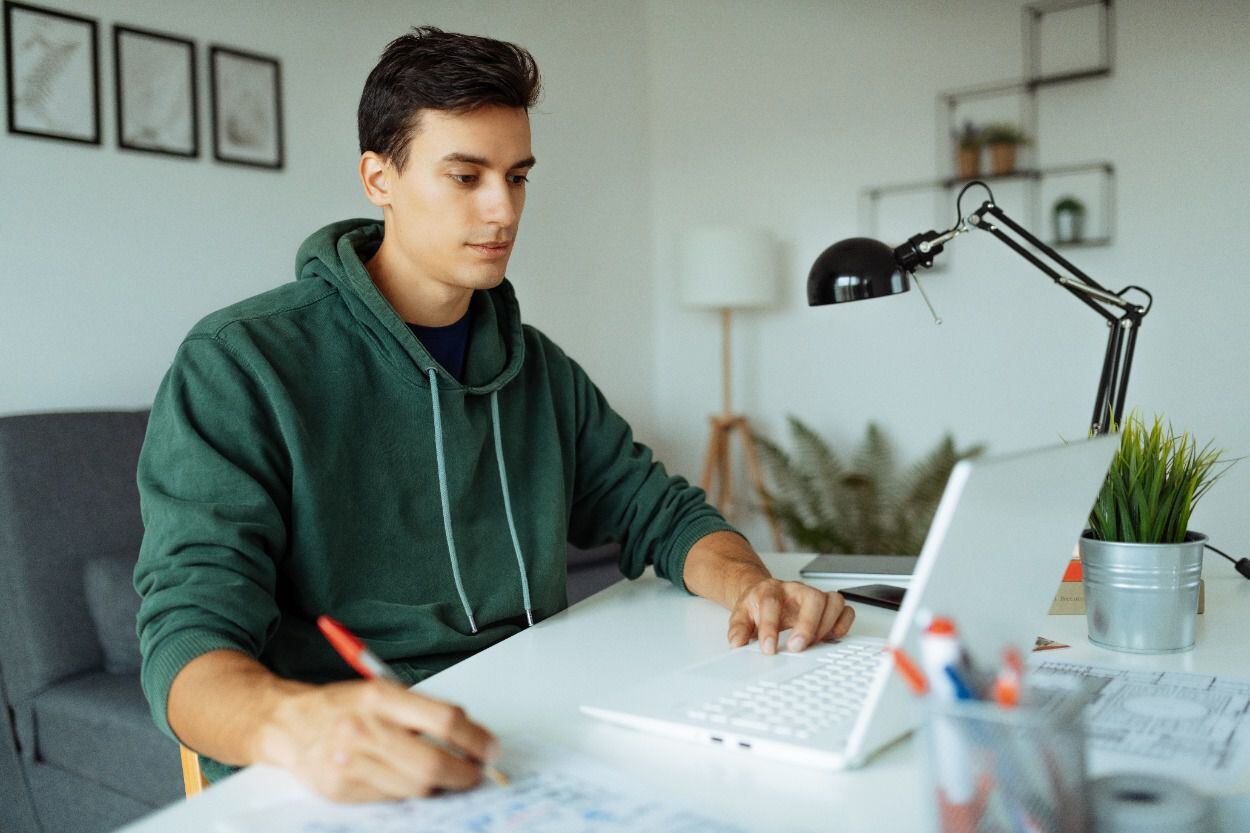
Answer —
491 249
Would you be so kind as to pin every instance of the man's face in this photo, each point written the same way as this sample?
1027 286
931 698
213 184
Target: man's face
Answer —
455 208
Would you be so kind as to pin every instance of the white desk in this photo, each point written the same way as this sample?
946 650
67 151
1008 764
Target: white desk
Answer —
533 683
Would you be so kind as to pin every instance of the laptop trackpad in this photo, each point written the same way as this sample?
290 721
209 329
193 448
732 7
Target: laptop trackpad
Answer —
749 665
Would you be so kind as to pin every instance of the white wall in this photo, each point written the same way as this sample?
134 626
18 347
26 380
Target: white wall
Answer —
659 116
777 115
107 257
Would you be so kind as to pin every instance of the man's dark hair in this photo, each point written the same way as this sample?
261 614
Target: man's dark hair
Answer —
432 69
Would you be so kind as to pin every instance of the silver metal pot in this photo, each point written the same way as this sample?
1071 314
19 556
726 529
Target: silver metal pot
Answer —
1142 598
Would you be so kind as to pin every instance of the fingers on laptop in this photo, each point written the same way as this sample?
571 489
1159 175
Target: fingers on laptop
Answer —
821 616
741 627
773 606
829 618
768 622
846 618
809 624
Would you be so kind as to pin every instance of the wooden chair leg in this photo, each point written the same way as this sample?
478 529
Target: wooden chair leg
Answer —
193 780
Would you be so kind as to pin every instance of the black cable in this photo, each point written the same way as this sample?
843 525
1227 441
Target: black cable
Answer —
1242 565
959 214
1150 299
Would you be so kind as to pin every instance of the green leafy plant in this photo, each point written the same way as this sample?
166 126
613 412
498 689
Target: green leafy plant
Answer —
864 504
1069 203
1156 478
1003 133
969 137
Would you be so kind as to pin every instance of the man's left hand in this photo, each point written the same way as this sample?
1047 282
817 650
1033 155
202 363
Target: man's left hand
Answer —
770 606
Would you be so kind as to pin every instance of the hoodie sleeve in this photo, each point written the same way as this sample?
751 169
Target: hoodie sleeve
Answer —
622 494
213 494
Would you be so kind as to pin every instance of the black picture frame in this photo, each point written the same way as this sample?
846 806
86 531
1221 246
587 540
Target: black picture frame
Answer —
245 89
157 92
52 74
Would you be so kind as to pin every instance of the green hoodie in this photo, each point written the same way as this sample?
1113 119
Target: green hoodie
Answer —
306 455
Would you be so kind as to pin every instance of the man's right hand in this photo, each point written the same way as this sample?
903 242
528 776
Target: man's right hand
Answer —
366 741
351 741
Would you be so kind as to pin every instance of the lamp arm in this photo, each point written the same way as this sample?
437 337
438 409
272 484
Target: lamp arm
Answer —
1122 338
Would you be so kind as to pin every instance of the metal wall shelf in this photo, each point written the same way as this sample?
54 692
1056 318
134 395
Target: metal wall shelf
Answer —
1027 87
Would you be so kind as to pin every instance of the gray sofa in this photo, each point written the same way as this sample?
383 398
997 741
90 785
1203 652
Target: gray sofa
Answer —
78 751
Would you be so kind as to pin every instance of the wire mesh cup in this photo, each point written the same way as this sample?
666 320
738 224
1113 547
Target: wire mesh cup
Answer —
991 768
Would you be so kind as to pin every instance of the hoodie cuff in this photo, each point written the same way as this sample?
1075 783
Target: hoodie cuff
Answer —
162 665
686 539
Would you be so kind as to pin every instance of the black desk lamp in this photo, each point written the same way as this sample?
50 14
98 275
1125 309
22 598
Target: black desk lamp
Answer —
860 268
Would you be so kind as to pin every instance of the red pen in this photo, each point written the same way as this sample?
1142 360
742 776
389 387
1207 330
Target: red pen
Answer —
354 651
368 665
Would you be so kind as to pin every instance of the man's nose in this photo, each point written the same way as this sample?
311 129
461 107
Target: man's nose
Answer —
501 204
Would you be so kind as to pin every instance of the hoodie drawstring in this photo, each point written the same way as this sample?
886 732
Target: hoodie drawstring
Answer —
507 505
442 493
446 503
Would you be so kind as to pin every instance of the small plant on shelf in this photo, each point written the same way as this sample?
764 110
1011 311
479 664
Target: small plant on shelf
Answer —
1069 218
1004 140
968 159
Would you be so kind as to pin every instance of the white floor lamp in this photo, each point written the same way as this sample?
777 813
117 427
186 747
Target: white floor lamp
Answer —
727 269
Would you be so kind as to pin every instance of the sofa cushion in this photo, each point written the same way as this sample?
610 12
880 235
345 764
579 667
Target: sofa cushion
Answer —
98 726
67 495
114 607
69 803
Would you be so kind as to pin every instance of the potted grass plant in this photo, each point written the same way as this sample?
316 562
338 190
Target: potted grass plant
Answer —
1003 140
1140 561
968 158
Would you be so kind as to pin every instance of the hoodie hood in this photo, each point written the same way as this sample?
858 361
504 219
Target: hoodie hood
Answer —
337 255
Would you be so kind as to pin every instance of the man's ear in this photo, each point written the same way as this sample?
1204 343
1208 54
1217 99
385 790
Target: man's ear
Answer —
375 175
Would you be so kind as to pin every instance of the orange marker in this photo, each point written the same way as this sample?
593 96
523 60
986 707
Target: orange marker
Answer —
1007 683
909 672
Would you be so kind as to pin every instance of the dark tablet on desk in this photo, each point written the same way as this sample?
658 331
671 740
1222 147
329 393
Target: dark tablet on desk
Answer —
889 567
881 595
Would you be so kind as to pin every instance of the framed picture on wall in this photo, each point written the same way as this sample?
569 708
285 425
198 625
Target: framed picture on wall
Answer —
246 92
154 79
52 74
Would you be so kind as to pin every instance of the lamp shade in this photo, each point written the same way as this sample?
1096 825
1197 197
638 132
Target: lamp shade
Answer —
724 267
854 270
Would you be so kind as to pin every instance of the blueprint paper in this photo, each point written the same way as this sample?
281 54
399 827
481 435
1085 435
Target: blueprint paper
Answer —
552 790
1193 726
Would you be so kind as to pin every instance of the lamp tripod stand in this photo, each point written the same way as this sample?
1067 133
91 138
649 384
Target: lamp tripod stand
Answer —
723 427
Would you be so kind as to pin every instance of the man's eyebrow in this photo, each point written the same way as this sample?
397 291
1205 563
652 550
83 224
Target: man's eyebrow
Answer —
469 159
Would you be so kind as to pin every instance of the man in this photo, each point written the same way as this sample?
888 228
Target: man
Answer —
383 441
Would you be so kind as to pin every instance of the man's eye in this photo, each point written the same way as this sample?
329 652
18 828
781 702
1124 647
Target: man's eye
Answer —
518 179
464 179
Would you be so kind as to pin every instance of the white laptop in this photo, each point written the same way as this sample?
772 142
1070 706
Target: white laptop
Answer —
1000 540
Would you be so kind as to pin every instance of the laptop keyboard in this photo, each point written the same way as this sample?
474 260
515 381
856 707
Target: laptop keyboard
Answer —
812 701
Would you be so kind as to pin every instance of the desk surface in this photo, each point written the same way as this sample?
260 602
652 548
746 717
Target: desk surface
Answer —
533 683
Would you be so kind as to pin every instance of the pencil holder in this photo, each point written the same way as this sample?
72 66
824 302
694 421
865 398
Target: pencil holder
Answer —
993 769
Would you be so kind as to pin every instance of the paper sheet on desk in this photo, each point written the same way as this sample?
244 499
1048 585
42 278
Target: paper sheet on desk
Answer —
1191 726
552 790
